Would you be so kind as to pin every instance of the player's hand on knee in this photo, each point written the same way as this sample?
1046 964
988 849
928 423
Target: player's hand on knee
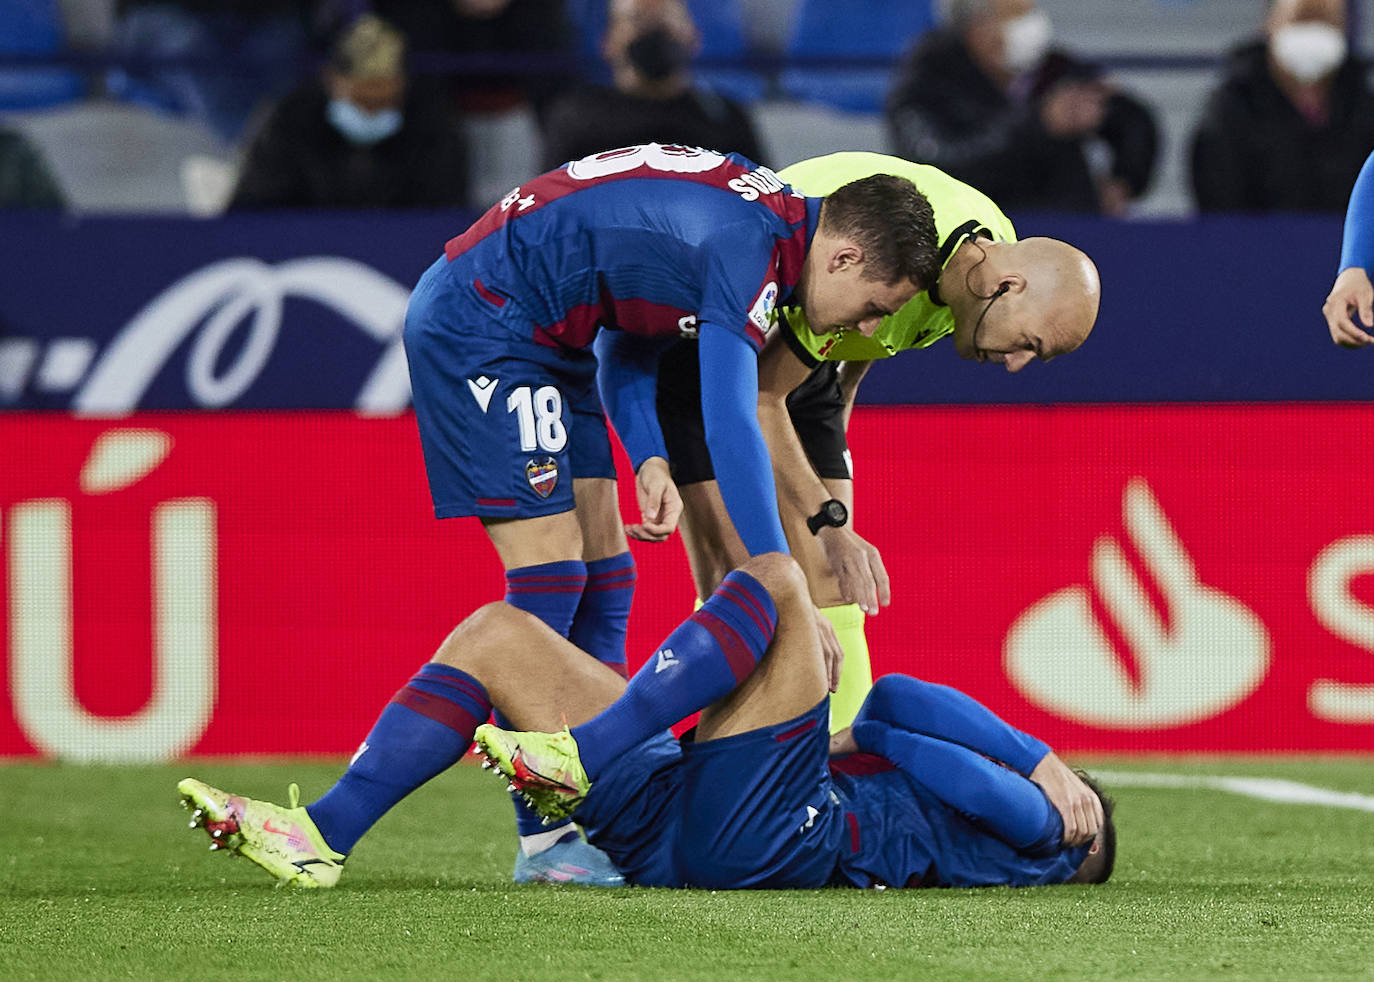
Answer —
830 649
858 568
660 504
1352 294
1076 803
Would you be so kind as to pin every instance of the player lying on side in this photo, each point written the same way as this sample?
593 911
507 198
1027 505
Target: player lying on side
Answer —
944 793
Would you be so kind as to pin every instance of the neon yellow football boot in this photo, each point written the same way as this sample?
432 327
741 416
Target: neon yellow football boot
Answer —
283 841
544 767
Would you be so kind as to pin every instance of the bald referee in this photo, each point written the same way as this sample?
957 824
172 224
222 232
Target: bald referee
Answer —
1000 300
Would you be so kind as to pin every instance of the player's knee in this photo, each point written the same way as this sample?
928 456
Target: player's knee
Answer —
780 575
482 633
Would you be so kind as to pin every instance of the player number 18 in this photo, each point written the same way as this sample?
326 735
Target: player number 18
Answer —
540 416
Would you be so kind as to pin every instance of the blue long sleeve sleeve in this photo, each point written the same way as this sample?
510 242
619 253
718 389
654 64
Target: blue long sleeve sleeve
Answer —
627 378
993 798
1357 244
947 714
739 454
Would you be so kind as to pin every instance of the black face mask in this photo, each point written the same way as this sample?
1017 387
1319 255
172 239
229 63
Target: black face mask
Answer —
658 55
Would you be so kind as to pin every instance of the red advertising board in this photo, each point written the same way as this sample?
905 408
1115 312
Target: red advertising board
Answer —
1155 578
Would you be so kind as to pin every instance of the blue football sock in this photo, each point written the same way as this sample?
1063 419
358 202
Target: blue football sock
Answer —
995 799
424 730
599 627
552 592
948 714
704 659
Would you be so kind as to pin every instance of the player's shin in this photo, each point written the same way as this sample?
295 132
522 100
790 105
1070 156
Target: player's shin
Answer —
604 612
424 730
856 676
701 661
553 593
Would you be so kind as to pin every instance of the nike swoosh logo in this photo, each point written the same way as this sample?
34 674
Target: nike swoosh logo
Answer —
267 827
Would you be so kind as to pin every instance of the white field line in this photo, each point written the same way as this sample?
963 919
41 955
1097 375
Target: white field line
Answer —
1266 788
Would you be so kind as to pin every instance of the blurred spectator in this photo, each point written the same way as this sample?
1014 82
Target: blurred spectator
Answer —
986 99
534 32
25 180
1292 121
361 136
649 45
227 58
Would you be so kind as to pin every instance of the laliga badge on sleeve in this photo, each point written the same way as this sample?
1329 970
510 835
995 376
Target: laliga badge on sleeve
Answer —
542 475
763 313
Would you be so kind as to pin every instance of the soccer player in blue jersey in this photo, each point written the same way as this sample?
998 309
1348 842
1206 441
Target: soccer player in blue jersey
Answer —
643 244
933 789
1352 295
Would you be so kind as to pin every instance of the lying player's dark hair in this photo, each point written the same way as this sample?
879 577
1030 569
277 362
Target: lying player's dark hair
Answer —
893 223
1098 868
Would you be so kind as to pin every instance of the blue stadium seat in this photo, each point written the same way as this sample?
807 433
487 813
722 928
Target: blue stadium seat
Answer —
721 24
34 27
876 29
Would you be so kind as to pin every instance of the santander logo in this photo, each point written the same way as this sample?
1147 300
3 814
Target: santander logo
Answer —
1202 654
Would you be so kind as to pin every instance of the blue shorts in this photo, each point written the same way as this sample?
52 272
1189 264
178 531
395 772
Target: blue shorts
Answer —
634 812
759 810
506 424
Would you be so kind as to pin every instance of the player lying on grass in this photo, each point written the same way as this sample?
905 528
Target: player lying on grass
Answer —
944 794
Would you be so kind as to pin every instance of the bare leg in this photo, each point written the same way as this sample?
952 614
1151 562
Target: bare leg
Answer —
713 546
598 516
791 678
522 542
533 675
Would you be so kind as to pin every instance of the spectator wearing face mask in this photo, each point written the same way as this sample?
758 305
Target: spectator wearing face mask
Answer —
986 99
649 45
363 135
1292 121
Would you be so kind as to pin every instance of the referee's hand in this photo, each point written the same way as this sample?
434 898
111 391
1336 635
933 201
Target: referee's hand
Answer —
858 566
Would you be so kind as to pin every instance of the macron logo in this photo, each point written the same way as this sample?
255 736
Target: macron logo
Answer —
666 659
811 812
482 390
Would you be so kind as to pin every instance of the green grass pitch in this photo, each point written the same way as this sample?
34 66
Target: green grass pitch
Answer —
100 879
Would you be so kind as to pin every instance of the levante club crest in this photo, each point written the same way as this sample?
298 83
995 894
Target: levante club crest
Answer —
542 475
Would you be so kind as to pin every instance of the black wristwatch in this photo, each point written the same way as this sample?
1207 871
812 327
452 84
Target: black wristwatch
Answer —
832 514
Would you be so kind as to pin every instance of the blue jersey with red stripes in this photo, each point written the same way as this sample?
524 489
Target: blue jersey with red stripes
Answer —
651 240
901 835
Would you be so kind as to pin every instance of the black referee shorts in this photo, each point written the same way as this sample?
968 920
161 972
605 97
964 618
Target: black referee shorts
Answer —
816 407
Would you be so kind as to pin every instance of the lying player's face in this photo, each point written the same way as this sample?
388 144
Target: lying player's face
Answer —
842 299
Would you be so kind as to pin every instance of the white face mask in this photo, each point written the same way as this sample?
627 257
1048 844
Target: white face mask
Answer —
1308 49
1025 40
360 126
